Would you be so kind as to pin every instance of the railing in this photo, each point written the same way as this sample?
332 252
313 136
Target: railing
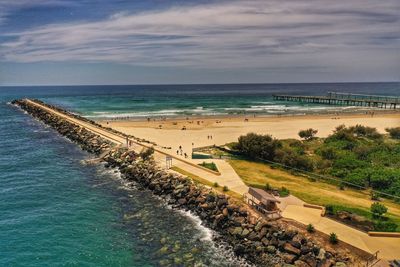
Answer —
373 259
350 96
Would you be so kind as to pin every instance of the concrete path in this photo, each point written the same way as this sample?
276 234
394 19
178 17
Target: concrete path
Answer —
228 177
388 247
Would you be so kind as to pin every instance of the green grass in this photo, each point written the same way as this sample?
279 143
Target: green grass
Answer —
258 174
368 215
209 165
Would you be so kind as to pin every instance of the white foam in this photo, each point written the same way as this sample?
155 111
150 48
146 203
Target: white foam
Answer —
207 233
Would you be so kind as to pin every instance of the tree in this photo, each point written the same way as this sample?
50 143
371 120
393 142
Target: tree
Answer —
308 134
258 146
378 209
394 132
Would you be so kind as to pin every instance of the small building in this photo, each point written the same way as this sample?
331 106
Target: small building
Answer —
263 202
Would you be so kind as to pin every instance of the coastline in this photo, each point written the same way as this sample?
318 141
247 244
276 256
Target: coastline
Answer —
180 117
192 133
252 238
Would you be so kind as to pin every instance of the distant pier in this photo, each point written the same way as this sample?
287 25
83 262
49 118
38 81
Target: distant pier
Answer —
345 99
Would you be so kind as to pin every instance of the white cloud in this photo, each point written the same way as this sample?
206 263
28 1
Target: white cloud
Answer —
232 34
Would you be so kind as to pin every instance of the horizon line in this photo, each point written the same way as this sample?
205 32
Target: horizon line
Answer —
179 84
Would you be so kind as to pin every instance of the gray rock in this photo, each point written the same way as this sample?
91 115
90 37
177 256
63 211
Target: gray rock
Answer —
291 249
321 254
271 249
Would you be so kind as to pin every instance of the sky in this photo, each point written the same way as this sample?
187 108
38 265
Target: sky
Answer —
70 42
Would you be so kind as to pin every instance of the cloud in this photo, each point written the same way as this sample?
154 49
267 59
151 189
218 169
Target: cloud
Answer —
231 34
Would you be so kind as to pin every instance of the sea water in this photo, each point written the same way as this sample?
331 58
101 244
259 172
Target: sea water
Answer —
58 210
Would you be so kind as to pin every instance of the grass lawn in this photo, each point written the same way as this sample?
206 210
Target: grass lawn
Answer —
209 165
258 174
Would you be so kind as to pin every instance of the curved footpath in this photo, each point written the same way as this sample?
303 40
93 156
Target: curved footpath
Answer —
388 247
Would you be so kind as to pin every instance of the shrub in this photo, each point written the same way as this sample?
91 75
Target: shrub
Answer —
333 238
267 187
385 226
216 184
378 209
225 188
362 152
394 132
209 165
290 158
328 153
374 196
147 153
350 134
340 134
310 228
308 134
341 186
347 161
383 178
284 192
329 209
358 177
258 146
365 131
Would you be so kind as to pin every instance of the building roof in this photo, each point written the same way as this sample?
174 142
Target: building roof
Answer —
262 196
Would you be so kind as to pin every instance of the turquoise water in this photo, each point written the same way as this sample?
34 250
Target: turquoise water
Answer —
185 100
56 210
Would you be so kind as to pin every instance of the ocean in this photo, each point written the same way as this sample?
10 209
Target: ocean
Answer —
58 210
141 101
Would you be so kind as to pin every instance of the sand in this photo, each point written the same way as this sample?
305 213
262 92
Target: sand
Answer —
169 133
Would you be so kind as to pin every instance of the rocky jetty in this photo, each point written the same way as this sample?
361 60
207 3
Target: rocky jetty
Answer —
85 139
261 242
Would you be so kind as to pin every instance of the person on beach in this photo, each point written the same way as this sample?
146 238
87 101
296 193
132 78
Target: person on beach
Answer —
177 152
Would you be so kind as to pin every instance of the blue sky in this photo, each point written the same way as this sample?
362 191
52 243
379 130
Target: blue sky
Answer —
160 41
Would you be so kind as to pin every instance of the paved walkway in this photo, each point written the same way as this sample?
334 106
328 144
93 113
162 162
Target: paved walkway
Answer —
388 247
227 178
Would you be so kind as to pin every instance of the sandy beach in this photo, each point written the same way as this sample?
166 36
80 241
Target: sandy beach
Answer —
208 131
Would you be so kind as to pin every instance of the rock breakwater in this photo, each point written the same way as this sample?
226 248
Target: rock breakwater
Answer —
259 241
